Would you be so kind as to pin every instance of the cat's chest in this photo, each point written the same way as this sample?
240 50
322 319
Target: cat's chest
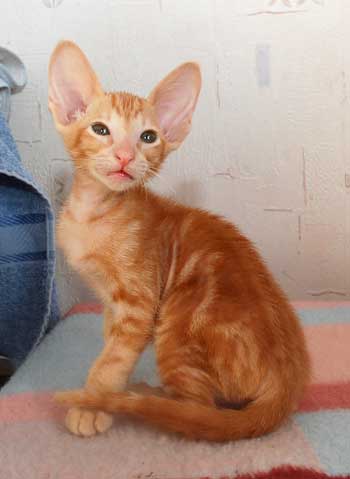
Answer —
91 246
81 242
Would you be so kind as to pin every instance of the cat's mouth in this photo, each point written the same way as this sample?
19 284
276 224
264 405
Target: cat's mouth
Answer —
120 175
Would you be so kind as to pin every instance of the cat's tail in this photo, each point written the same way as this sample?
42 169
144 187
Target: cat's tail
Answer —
193 420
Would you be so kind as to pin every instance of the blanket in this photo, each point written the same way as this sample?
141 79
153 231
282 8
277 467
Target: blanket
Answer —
28 305
314 443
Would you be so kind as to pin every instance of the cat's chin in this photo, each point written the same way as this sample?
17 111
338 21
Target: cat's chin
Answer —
117 183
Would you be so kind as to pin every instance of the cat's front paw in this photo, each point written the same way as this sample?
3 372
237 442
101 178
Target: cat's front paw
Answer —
87 423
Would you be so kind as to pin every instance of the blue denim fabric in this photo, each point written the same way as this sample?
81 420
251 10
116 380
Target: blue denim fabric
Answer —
28 301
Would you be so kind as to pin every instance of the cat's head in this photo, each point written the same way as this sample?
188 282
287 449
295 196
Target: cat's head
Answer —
118 138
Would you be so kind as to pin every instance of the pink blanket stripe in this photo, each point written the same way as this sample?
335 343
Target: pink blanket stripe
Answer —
95 308
326 396
85 308
40 406
30 406
328 345
320 304
330 388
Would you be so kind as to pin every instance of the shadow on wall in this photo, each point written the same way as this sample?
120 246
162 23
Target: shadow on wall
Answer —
190 193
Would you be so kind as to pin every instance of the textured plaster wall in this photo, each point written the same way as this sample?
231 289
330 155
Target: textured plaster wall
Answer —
270 147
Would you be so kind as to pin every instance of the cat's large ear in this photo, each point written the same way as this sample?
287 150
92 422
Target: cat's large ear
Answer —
73 84
174 100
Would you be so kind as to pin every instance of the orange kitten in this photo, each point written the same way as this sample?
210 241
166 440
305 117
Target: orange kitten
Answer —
231 354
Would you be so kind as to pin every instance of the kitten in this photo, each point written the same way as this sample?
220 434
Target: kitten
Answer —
225 336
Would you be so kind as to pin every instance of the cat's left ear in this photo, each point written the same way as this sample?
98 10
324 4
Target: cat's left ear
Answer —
73 84
174 100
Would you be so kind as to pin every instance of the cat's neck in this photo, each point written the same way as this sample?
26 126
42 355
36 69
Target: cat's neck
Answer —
89 199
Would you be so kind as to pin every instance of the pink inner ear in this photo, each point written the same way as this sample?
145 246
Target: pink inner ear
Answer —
68 101
174 102
73 104
73 84
174 117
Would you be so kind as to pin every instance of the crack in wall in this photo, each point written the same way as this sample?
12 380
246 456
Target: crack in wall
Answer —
271 12
279 210
231 176
344 88
39 116
325 292
226 174
287 275
304 178
218 98
347 180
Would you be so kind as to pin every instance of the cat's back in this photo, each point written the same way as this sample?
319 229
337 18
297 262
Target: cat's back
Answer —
199 229
209 246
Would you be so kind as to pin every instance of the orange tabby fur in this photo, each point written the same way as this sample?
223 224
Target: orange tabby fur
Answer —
223 331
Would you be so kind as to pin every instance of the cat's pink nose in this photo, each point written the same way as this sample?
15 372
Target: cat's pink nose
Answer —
124 156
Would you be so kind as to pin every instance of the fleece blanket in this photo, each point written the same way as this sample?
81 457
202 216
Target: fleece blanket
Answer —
314 443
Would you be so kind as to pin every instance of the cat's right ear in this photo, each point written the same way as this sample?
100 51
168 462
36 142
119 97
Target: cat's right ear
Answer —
73 84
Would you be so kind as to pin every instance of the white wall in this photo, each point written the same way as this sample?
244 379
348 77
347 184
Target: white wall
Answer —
270 147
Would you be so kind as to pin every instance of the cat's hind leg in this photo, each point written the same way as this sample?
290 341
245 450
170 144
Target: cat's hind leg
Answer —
182 369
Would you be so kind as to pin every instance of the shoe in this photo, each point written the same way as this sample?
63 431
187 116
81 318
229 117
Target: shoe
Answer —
6 370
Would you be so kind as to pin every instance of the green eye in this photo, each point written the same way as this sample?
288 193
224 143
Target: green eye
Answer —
100 129
148 136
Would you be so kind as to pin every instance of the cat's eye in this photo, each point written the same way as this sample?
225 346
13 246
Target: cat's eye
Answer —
148 136
100 129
